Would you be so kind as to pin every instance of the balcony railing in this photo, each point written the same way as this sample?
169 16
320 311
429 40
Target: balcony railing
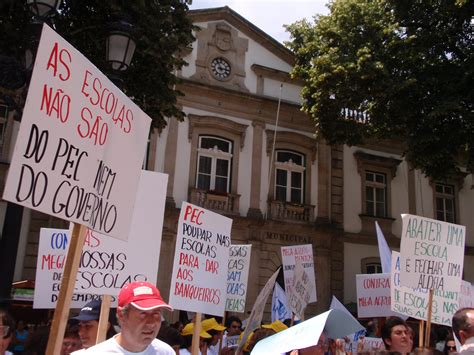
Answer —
286 211
221 203
355 115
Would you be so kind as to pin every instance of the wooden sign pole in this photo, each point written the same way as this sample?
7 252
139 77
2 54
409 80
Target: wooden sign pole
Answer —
428 323
68 282
421 334
197 331
104 319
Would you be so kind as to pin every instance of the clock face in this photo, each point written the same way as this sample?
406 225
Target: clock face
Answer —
220 68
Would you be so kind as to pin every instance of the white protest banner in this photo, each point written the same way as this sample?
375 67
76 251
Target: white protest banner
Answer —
106 263
373 295
466 296
431 253
81 143
199 280
304 253
335 323
301 290
232 341
237 277
414 302
256 315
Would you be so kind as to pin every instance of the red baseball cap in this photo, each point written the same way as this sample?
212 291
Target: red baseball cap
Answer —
142 295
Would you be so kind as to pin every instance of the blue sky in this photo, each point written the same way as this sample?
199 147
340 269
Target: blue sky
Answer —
270 15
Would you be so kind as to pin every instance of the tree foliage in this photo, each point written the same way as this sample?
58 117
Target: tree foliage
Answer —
161 29
406 65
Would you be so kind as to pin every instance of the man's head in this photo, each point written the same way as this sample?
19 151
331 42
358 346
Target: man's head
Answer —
89 323
139 315
396 335
71 341
463 324
234 325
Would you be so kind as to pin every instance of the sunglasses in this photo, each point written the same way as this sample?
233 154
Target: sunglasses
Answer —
451 347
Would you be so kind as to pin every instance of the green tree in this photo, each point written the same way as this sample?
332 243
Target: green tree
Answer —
392 68
161 29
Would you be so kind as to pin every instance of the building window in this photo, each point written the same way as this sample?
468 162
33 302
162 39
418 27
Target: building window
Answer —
289 173
371 265
375 194
445 203
214 164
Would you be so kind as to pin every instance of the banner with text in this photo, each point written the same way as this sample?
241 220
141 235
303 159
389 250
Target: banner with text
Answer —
301 290
414 302
431 253
237 277
373 296
81 143
199 280
304 253
106 263
466 296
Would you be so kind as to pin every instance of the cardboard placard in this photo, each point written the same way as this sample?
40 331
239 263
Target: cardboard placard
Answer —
300 290
81 143
304 253
237 277
431 254
373 296
106 263
414 302
199 280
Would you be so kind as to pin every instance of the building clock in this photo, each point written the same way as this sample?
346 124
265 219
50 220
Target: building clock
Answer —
220 68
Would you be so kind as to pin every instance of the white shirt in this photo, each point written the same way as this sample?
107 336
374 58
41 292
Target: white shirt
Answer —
111 346
468 347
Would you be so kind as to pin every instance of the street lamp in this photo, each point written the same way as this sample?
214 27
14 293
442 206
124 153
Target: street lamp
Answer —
120 46
44 8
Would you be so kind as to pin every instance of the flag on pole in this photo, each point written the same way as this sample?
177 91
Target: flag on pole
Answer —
384 250
280 308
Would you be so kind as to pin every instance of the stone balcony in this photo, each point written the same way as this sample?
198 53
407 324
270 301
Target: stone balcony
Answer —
290 212
217 202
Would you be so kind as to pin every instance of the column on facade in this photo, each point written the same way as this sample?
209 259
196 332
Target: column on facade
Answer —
170 158
256 173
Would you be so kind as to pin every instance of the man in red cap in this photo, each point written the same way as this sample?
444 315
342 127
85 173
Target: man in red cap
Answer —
139 315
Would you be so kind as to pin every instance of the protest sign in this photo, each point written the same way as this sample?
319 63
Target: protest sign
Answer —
466 296
373 295
304 253
431 253
106 263
414 302
301 290
199 280
256 315
335 323
81 143
231 341
237 277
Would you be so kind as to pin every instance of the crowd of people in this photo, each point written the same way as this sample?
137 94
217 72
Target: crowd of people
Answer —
137 327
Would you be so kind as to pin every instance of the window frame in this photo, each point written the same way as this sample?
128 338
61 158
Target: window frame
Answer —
214 154
295 143
457 182
376 164
368 261
290 167
374 185
218 127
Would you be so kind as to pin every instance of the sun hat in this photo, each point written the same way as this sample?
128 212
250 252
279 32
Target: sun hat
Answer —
211 324
189 329
142 295
276 326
